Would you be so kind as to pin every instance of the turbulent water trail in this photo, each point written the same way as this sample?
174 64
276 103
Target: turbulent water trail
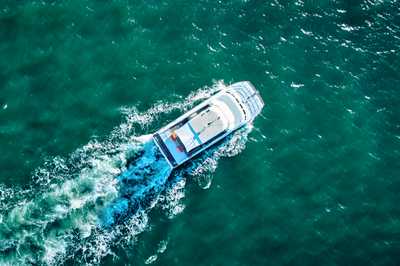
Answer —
140 184
43 228
77 209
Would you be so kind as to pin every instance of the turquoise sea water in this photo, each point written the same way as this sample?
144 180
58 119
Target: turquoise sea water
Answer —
315 181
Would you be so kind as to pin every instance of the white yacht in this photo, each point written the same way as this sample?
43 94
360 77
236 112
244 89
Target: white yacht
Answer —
209 122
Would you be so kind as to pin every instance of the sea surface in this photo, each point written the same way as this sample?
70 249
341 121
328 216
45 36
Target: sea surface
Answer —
314 181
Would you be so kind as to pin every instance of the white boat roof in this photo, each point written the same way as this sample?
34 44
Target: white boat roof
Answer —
202 127
209 123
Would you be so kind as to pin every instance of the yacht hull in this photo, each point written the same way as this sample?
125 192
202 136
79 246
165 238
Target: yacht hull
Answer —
208 123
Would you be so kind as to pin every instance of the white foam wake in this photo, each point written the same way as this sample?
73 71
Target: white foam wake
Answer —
80 208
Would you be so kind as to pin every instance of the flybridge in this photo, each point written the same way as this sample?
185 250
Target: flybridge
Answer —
212 120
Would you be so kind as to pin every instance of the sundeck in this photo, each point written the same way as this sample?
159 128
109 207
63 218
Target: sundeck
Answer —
212 120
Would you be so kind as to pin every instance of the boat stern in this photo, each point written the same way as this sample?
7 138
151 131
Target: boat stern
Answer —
162 145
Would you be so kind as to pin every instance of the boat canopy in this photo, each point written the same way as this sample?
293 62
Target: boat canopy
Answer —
202 128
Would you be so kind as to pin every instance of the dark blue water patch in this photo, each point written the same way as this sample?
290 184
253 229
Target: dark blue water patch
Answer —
139 185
